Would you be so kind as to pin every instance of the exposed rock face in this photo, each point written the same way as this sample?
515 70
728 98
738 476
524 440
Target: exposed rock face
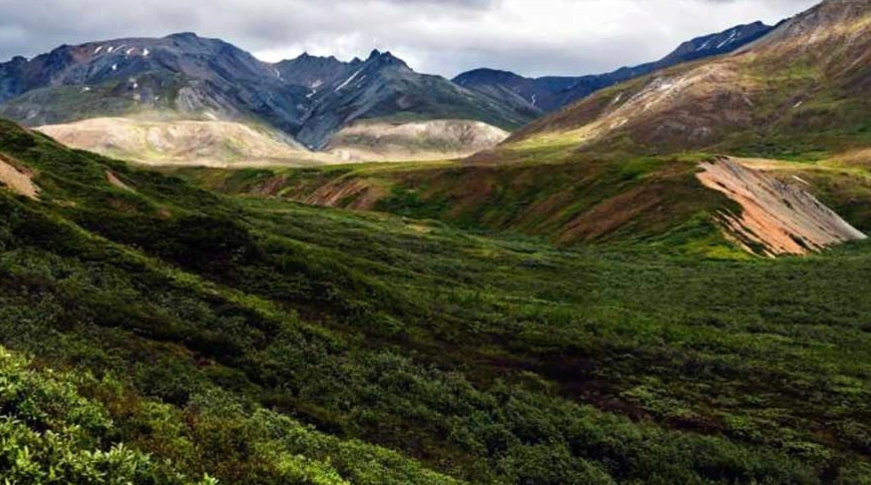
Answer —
776 218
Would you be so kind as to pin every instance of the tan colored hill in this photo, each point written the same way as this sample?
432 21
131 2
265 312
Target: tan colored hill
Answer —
415 141
184 142
232 144
798 92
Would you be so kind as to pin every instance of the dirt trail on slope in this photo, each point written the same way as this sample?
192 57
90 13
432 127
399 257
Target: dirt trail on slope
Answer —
17 181
780 218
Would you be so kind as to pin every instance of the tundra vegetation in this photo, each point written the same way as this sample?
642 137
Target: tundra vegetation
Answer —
157 332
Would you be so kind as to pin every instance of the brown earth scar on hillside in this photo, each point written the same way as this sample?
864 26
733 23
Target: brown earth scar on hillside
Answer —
781 218
17 181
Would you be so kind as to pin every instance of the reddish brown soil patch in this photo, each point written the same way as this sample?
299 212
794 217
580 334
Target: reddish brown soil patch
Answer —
609 216
781 218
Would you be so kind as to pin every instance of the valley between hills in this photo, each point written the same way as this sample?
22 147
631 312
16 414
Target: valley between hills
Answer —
216 270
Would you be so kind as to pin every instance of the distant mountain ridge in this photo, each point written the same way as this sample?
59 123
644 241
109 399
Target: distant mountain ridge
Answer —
552 92
187 77
384 87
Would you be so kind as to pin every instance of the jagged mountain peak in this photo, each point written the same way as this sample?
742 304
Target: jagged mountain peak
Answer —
385 59
306 56
384 86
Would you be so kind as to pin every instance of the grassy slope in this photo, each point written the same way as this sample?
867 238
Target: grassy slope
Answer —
490 360
548 192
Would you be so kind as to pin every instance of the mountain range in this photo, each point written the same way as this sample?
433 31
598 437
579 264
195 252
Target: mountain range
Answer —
203 90
551 93
184 77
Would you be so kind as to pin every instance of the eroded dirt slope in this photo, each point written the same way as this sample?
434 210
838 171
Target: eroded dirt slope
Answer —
776 218
17 180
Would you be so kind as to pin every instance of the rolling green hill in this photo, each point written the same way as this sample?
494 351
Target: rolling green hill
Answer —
568 198
587 304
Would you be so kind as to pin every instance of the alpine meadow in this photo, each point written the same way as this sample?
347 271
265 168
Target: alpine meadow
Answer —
223 267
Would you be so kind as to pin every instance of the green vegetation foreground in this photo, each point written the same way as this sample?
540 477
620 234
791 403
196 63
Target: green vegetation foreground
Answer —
201 338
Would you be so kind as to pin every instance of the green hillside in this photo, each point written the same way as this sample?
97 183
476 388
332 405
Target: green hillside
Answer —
261 341
655 201
557 194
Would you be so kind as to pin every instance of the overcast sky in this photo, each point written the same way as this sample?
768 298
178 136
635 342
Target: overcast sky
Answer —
531 37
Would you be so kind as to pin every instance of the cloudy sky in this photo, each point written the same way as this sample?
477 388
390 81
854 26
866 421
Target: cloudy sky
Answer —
531 37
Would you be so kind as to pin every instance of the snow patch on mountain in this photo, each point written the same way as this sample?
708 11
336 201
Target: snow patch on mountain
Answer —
348 81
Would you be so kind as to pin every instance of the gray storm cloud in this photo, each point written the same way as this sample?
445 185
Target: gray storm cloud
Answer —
532 37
